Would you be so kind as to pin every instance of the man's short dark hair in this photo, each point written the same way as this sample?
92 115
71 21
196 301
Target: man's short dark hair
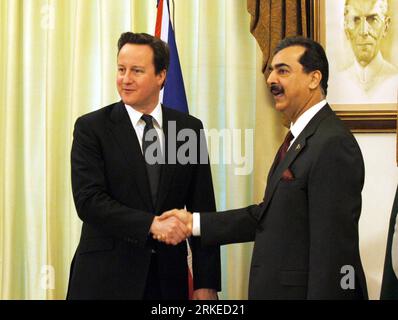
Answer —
161 52
313 58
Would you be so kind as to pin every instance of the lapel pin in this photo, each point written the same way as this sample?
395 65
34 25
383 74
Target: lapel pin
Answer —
298 147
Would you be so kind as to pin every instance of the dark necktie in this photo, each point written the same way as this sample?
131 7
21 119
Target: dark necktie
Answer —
285 145
153 169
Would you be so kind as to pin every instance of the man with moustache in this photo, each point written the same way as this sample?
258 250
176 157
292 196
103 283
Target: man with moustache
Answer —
370 79
119 190
306 229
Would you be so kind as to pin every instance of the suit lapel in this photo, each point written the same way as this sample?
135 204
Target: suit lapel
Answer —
273 166
167 169
124 133
295 149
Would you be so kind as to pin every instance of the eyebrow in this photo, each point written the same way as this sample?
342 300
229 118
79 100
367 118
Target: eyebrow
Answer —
278 65
372 15
366 15
358 14
122 65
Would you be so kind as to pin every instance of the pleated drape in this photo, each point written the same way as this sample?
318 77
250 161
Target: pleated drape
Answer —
273 20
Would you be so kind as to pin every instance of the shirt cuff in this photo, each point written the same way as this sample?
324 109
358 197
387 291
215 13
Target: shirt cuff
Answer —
196 224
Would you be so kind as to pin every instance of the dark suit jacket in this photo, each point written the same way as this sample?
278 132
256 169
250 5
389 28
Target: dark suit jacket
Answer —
306 229
112 197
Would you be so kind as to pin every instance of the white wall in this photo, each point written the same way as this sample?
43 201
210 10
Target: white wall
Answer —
381 177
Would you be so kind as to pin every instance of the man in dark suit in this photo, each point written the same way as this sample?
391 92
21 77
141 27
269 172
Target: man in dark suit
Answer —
119 190
306 229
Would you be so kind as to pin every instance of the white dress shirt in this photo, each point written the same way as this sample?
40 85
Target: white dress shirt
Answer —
368 74
377 83
295 129
139 124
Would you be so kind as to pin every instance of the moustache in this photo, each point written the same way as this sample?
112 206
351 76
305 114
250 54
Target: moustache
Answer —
276 89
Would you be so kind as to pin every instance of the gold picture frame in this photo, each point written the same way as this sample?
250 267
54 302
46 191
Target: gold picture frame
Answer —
360 118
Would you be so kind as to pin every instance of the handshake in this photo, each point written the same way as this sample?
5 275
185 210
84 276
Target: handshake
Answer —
172 227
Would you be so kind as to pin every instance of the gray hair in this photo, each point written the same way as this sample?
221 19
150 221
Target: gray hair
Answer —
383 5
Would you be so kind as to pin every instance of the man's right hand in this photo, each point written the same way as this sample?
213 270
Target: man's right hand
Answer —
169 230
183 215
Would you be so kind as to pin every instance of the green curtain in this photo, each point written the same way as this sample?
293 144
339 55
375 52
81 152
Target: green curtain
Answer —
58 61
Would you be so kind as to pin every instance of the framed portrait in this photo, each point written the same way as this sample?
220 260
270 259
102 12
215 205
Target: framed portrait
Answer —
361 41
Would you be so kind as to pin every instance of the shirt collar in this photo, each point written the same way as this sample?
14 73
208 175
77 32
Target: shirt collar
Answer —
368 73
305 118
135 116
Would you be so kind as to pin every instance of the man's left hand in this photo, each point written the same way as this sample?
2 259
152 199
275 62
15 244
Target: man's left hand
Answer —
205 294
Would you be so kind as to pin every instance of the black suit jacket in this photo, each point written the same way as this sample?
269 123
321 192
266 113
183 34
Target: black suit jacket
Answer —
112 197
306 229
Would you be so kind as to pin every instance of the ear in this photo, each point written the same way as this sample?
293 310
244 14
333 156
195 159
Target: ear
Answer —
346 28
316 77
161 77
386 26
347 34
